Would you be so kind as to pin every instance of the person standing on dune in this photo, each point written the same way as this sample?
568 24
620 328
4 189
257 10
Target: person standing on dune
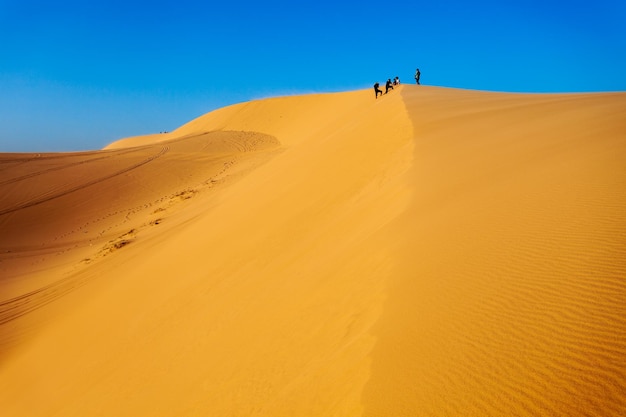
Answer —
388 85
376 90
417 76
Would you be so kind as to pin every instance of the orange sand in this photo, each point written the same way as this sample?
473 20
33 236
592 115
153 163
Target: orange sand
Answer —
434 252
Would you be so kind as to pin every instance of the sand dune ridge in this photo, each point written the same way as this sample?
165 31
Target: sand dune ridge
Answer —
431 252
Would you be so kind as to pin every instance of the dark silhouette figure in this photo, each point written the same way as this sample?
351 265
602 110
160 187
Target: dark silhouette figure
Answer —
417 76
396 81
376 90
388 85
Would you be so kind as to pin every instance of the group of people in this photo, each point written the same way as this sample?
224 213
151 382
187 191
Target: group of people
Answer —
388 85
396 81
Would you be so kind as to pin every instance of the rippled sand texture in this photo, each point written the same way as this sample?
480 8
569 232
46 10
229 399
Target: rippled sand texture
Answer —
432 252
509 297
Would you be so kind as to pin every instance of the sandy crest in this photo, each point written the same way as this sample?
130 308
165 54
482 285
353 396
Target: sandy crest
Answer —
431 252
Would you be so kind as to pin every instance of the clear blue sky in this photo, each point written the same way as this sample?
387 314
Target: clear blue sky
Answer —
76 75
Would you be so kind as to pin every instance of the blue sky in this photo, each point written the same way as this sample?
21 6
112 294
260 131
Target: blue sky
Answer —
76 75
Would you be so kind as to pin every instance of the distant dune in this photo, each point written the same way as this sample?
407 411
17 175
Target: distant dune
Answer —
432 252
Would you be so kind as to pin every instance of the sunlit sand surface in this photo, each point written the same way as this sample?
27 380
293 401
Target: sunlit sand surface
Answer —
432 252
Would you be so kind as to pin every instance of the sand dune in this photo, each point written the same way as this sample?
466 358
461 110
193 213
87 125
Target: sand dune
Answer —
431 252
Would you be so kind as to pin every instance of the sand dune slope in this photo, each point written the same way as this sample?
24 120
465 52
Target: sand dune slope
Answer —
509 292
55 208
431 252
